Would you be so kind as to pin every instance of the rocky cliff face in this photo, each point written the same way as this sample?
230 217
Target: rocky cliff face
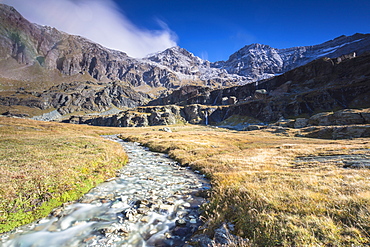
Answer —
258 62
186 95
88 96
149 116
79 96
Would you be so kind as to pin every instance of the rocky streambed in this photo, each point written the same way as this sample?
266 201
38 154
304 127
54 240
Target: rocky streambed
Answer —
152 202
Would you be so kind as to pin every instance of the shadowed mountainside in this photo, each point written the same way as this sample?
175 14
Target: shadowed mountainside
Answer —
320 86
327 98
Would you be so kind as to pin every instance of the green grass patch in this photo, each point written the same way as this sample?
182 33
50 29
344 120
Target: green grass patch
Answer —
43 165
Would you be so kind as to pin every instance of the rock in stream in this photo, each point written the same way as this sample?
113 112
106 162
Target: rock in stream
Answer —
152 202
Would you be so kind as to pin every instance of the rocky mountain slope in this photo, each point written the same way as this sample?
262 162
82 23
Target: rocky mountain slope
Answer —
36 61
303 98
74 97
40 46
46 69
190 68
321 85
257 61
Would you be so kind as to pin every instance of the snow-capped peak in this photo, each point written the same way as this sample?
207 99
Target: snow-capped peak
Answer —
258 61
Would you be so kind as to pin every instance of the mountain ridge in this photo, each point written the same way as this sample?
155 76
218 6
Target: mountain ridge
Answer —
259 61
36 60
307 92
31 44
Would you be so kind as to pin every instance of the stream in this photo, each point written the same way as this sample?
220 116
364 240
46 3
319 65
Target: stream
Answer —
152 202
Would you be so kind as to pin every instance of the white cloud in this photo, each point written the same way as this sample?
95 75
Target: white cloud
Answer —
97 20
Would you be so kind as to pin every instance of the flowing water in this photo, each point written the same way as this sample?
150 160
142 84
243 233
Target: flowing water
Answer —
152 202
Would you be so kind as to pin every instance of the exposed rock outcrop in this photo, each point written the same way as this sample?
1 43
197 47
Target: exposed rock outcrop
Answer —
150 116
138 117
337 132
79 96
186 95
342 124
344 117
68 98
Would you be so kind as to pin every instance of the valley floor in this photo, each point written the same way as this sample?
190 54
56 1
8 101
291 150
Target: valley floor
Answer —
276 189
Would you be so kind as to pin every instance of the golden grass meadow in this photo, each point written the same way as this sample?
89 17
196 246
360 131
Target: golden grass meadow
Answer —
273 199
261 183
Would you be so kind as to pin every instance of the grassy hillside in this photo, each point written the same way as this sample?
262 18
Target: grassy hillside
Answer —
266 187
43 165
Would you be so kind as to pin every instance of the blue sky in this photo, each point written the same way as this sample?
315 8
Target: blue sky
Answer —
212 30
216 29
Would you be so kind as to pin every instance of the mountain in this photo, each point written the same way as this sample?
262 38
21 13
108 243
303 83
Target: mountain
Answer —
325 92
191 68
47 49
258 62
320 86
42 69
40 64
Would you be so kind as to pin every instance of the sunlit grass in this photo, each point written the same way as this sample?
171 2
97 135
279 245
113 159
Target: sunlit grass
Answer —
259 186
43 165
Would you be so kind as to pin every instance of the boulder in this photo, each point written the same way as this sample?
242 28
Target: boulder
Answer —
261 94
166 129
342 117
339 132
232 100
321 119
347 117
300 123
253 127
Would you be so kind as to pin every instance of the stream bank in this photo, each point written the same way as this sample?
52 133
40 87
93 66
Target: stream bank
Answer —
152 202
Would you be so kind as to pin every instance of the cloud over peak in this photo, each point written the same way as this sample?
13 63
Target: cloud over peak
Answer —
98 20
